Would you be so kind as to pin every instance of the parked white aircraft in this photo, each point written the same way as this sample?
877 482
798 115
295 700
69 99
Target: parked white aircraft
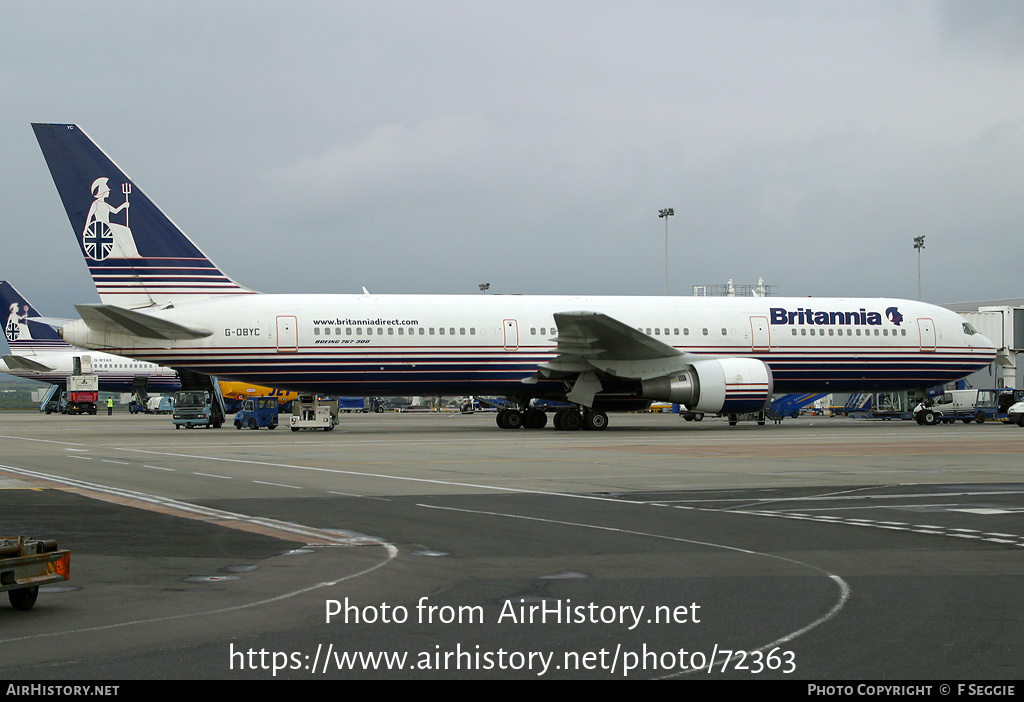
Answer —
165 302
38 353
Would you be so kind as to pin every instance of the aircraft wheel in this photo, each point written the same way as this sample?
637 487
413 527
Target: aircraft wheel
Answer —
572 420
595 421
24 598
536 418
513 419
733 419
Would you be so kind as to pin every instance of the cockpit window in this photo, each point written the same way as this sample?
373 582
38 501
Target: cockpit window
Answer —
968 329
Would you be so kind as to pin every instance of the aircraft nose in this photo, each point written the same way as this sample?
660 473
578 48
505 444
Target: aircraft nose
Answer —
983 342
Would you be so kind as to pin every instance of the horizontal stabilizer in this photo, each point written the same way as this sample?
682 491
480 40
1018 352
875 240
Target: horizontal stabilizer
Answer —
110 318
22 363
55 322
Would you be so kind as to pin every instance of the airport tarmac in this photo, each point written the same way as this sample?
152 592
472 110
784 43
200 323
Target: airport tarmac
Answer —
438 546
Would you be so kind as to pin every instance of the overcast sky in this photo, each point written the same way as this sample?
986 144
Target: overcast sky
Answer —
429 146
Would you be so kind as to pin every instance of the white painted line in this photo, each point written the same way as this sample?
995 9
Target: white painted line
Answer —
293 487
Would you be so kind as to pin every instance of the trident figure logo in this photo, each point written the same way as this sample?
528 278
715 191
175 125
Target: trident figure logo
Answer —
101 238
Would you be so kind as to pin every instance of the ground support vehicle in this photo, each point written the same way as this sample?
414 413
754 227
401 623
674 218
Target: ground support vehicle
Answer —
257 412
974 405
311 412
877 405
352 404
790 405
82 395
195 408
51 401
25 564
1015 414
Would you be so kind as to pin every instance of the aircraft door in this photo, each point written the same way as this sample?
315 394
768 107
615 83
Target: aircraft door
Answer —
927 329
511 334
760 337
287 334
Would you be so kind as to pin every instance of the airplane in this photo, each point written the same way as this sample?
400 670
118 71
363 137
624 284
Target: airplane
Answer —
163 301
38 353
236 393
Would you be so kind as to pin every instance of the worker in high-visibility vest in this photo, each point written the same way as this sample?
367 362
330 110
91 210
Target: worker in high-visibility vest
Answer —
110 406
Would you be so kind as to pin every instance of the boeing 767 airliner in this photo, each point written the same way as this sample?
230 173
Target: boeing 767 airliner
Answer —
164 302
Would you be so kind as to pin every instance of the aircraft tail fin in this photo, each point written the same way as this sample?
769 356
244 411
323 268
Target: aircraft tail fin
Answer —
137 256
24 335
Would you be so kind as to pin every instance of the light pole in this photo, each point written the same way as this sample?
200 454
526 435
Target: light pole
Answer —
919 244
665 214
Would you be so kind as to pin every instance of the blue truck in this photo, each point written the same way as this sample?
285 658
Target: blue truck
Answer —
258 412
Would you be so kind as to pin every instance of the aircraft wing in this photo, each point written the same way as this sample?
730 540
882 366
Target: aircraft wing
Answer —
590 343
24 363
118 320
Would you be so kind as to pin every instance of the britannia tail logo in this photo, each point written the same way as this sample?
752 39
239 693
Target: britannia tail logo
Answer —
17 324
101 238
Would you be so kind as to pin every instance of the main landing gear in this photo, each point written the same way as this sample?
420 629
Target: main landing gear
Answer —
566 419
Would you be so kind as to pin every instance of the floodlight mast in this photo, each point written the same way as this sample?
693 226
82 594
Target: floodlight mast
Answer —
665 214
918 245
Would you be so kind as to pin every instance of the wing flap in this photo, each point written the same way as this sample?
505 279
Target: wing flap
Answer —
591 345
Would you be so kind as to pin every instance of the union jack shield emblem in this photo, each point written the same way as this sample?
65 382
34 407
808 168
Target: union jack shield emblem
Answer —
98 240
12 331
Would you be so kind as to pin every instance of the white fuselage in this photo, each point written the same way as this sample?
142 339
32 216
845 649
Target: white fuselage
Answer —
488 344
116 373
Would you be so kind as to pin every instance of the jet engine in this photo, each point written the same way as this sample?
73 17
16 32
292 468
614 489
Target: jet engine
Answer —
716 386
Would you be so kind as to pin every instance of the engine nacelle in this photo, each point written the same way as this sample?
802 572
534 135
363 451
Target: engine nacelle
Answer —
716 386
